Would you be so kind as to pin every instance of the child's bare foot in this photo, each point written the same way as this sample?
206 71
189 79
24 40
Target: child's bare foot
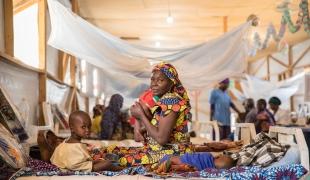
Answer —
47 142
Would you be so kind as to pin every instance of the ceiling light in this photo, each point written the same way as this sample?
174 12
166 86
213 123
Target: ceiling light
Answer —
157 44
170 19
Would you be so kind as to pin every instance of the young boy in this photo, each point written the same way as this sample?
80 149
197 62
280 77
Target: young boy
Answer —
71 154
194 162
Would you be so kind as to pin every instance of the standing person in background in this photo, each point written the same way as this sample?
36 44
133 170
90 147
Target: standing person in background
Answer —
111 119
221 103
250 111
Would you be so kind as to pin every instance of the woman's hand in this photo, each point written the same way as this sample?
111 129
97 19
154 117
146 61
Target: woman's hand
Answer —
137 111
146 109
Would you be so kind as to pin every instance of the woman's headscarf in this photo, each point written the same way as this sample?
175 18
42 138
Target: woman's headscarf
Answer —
170 71
111 118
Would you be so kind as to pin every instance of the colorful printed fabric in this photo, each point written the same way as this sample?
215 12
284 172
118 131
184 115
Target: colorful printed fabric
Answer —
135 156
292 171
11 117
166 104
176 101
6 171
10 149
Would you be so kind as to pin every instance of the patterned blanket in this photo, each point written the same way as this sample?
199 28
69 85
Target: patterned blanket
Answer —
262 152
293 171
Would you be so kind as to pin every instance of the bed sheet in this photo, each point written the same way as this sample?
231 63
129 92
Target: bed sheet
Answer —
40 170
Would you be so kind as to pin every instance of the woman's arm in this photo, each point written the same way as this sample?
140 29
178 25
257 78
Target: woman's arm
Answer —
146 110
161 133
138 135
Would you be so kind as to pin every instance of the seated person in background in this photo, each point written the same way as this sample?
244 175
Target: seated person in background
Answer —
194 162
250 110
97 116
262 109
111 125
262 123
71 154
281 116
127 129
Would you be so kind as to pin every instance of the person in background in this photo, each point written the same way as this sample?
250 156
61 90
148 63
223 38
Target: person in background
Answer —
221 103
264 118
111 119
127 129
281 116
250 110
97 116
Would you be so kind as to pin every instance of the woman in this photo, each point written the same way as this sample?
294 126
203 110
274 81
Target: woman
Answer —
167 121
111 119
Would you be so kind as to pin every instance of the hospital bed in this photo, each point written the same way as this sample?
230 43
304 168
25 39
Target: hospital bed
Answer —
245 132
292 136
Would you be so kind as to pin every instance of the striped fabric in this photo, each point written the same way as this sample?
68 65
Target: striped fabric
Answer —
262 152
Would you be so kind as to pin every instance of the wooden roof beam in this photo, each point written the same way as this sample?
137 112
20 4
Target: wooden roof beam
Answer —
21 5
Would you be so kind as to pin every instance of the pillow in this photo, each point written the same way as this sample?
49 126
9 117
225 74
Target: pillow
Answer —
292 156
10 150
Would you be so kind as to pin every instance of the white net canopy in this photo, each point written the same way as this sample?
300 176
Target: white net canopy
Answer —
129 65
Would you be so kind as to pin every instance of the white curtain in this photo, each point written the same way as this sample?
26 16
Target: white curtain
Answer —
256 88
128 67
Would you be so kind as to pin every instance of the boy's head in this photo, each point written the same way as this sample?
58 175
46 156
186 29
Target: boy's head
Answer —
80 124
224 162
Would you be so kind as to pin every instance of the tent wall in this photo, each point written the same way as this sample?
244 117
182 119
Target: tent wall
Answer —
1 27
20 83
279 72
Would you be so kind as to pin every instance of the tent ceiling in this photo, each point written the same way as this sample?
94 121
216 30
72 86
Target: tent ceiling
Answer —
195 21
